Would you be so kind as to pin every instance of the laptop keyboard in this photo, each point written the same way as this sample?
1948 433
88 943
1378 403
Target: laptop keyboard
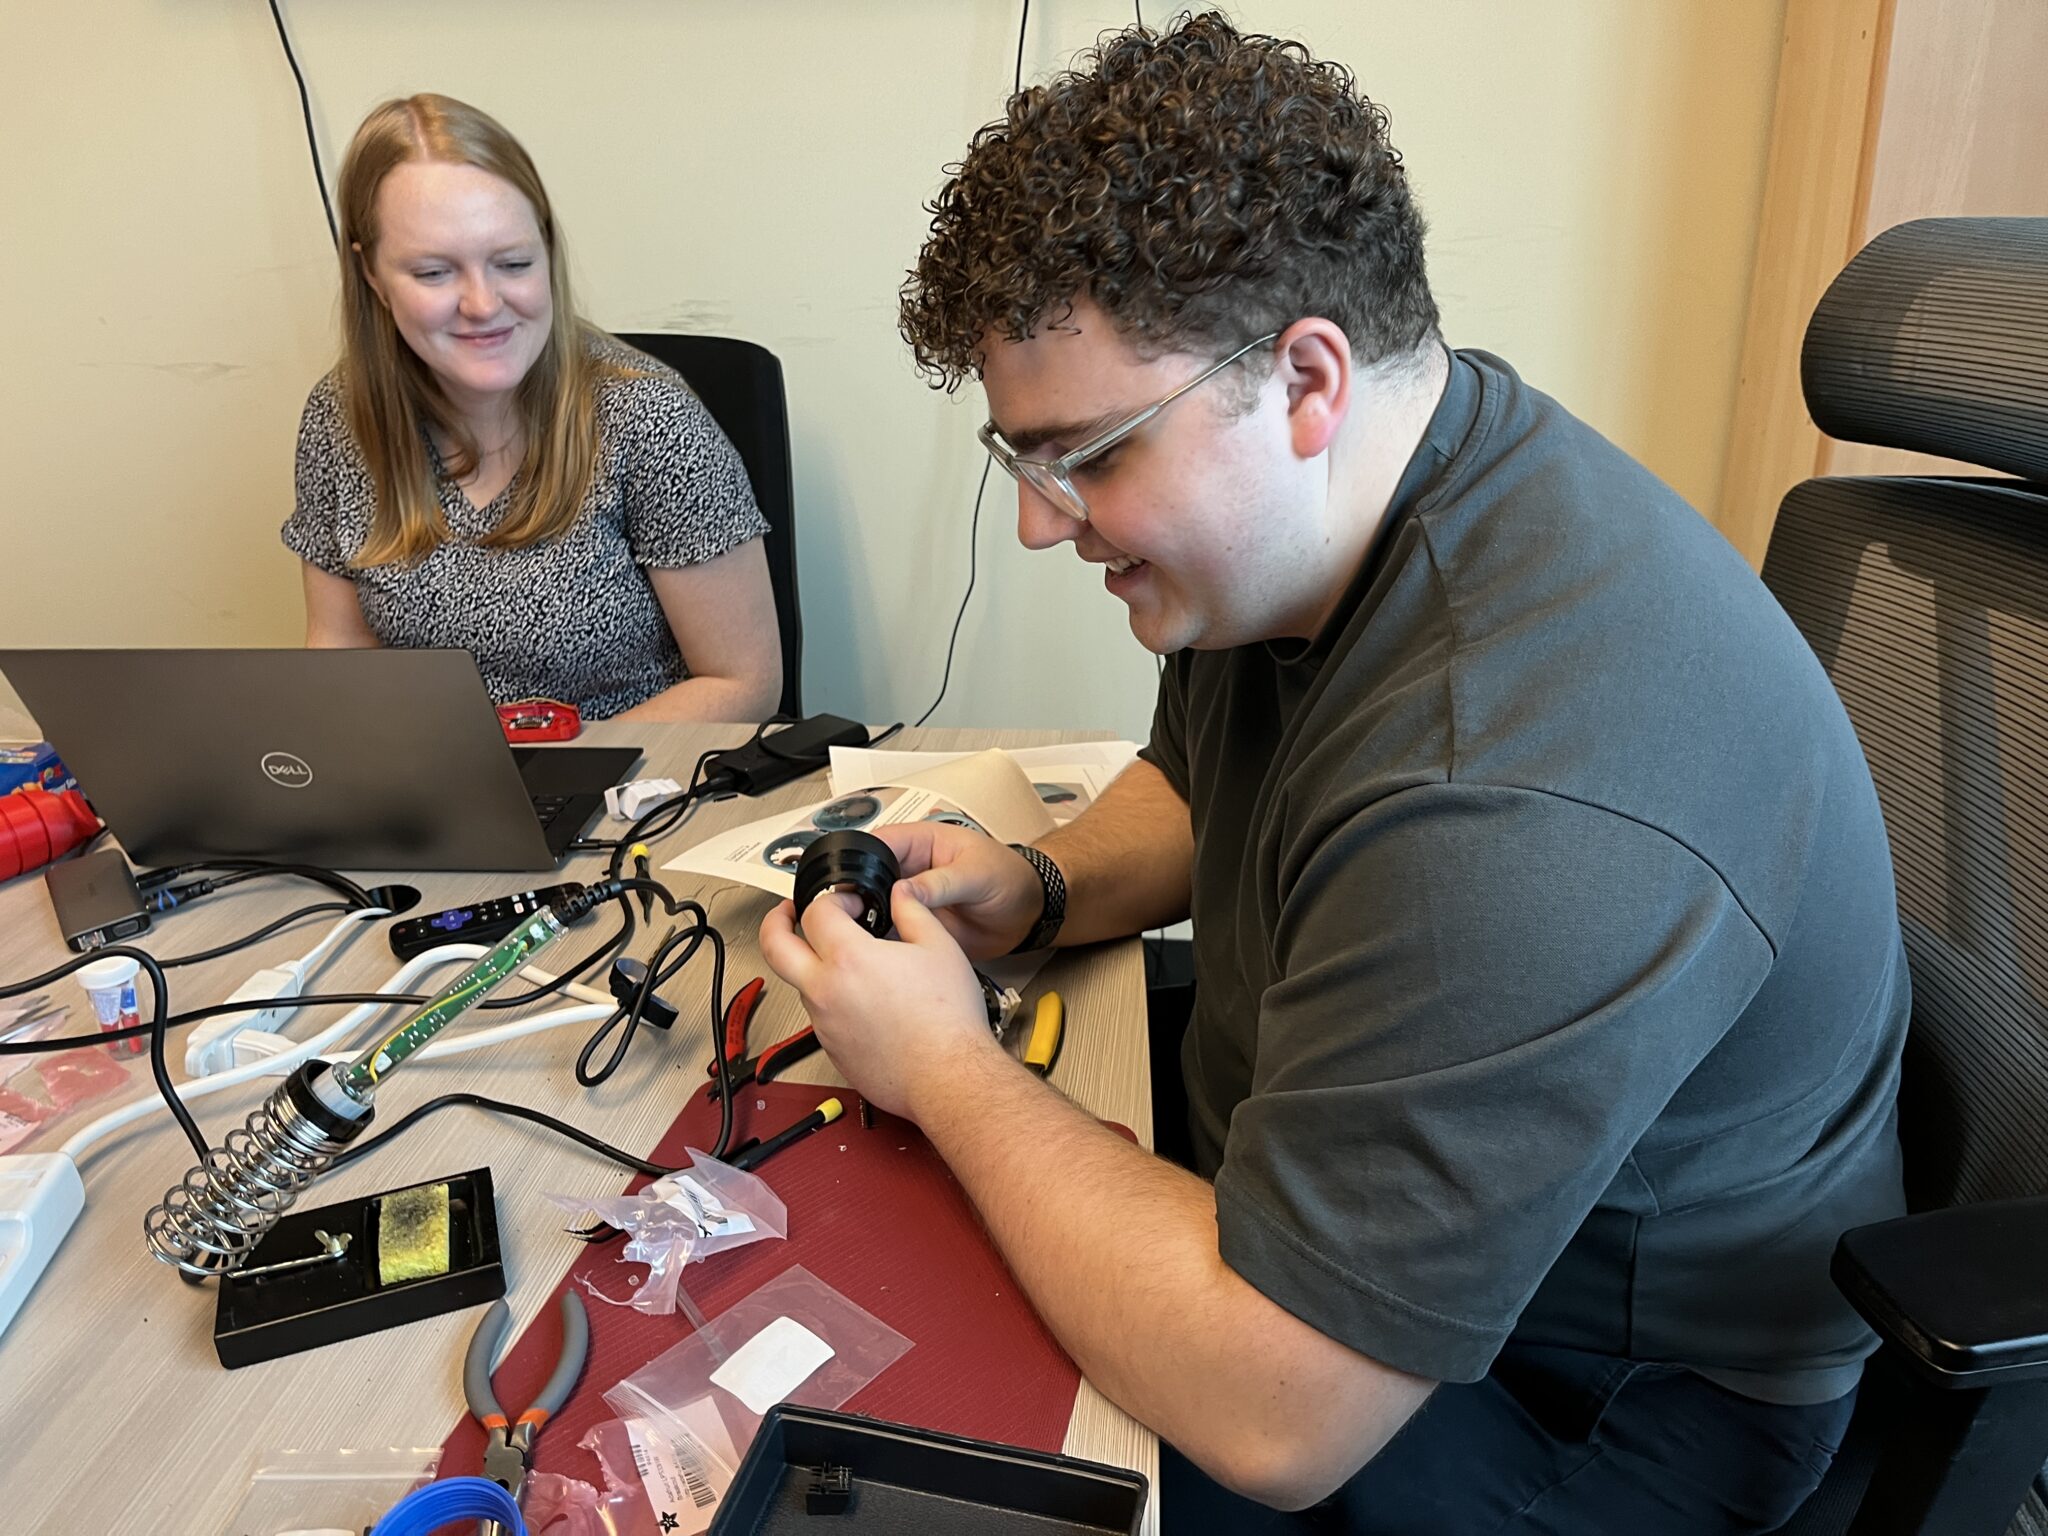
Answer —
548 808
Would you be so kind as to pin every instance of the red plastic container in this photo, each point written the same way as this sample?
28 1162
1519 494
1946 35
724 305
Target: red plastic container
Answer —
37 826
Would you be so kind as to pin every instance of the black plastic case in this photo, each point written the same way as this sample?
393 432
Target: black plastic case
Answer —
904 1479
266 1316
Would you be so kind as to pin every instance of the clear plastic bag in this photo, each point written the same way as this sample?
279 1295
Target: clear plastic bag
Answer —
45 1091
565 1506
328 1490
635 1482
707 1209
794 1340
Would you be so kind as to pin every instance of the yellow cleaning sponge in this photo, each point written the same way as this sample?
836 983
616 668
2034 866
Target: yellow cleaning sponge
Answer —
412 1234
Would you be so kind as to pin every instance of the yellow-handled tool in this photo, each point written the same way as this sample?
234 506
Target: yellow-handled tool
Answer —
1048 1030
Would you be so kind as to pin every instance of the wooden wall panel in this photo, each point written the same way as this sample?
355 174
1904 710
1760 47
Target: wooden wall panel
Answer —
1887 110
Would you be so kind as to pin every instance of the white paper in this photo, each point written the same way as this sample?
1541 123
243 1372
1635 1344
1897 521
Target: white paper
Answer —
685 1464
772 1364
702 1207
988 790
1067 778
982 790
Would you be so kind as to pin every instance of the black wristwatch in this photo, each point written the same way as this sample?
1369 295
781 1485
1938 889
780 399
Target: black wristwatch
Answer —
1054 912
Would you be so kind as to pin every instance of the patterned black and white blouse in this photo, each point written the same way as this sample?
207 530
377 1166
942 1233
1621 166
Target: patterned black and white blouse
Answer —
572 618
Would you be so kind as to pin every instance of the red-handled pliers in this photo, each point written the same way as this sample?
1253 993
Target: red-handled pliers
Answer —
740 1068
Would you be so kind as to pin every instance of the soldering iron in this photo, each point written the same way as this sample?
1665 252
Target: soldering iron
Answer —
226 1203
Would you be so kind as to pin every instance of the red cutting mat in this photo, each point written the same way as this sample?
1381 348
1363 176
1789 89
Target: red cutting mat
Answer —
875 1214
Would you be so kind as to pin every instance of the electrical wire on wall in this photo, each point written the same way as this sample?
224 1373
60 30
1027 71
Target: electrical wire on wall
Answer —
974 523
306 112
973 549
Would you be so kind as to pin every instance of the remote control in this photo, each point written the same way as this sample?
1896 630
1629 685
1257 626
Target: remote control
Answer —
482 922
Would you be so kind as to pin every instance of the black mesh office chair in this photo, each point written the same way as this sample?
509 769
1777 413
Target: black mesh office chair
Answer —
1927 601
741 385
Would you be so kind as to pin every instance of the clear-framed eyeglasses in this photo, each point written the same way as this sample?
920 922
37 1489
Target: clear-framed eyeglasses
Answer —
1053 478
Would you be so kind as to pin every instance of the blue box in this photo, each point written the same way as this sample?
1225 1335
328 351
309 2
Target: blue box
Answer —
34 766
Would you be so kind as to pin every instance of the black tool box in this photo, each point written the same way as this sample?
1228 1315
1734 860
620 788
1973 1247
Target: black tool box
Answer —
815 1473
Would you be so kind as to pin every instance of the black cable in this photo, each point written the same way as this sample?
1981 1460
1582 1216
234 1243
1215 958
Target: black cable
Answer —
178 1020
250 869
651 827
261 933
306 111
516 1111
701 932
974 526
1138 10
973 546
767 743
632 1014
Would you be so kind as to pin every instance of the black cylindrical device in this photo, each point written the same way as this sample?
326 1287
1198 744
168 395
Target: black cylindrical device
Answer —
857 862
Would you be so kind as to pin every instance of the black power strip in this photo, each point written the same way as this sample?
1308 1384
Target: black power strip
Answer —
790 753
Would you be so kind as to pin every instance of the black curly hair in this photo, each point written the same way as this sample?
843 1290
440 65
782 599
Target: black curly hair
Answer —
1201 185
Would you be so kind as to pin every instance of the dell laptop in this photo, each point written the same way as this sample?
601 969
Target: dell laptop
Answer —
351 759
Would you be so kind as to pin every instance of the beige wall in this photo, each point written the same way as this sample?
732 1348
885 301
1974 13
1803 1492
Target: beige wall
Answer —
1591 168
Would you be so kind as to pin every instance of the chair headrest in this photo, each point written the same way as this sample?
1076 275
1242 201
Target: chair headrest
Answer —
1935 338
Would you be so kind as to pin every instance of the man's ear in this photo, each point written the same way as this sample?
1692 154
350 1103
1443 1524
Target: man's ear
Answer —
1314 363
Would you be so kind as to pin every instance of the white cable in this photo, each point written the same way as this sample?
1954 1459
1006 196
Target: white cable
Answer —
214 1044
347 928
83 1139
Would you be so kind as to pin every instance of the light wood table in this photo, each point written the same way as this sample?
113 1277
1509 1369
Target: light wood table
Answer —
115 1415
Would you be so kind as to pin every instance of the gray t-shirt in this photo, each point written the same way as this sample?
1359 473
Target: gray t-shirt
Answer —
1548 960
572 618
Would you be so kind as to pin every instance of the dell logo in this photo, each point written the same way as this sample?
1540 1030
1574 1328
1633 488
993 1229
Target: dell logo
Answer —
284 769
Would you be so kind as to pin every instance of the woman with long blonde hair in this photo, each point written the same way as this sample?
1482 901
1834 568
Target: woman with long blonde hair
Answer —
486 470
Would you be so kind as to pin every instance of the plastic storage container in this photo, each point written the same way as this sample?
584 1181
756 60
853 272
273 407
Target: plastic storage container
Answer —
896 1478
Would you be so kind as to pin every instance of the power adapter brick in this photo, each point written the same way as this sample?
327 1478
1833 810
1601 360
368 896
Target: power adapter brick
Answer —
772 761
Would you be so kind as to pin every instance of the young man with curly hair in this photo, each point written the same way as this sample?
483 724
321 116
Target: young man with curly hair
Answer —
1550 991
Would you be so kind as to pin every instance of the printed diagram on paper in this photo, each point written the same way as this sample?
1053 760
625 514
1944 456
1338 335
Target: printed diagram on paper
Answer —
1015 797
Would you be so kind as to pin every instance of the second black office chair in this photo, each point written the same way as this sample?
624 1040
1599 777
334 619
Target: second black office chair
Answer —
1926 598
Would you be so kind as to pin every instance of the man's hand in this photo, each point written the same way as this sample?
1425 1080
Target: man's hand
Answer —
890 1013
986 895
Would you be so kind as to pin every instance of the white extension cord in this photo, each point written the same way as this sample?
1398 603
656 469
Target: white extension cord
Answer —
42 1194
216 1044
